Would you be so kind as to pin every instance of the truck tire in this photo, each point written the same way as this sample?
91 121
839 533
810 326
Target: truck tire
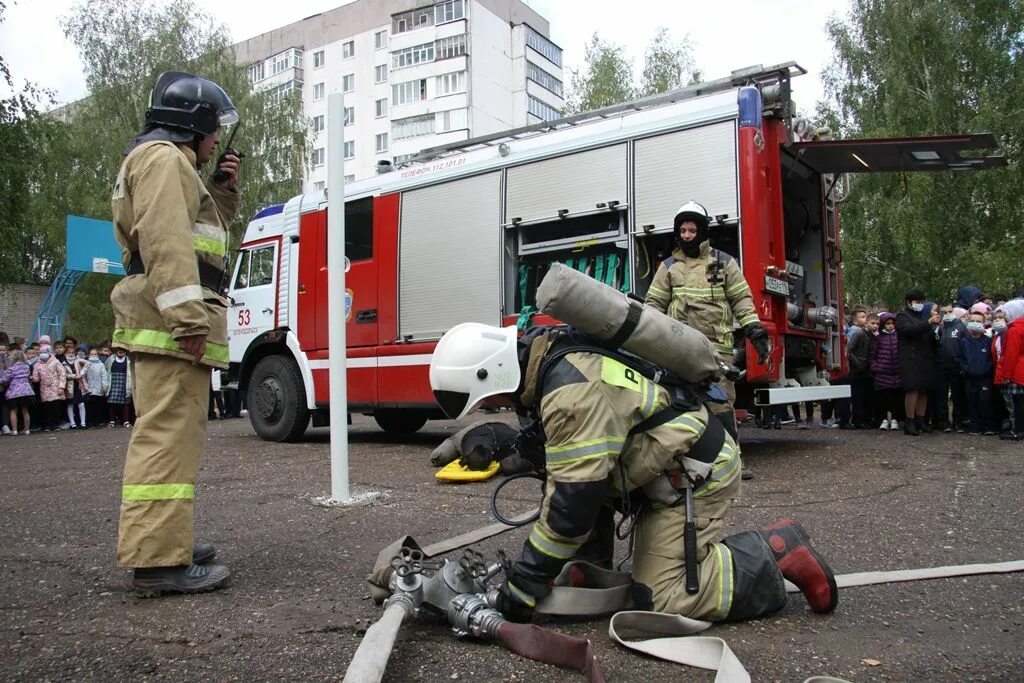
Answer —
277 400
396 421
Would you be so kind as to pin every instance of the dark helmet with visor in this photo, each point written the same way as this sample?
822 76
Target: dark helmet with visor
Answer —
196 104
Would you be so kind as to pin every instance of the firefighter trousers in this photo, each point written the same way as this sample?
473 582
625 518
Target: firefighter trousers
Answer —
171 397
739 578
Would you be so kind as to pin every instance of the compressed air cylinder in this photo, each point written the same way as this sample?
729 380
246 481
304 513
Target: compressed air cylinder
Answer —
603 312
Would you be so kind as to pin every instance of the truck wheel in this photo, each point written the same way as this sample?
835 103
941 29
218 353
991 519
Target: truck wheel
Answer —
276 400
394 421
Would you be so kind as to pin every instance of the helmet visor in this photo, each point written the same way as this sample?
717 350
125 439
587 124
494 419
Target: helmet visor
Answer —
226 117
452 402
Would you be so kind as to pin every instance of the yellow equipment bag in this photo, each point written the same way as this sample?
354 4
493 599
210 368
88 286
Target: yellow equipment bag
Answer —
455 471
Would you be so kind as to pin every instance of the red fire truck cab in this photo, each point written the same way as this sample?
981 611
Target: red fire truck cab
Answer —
467 232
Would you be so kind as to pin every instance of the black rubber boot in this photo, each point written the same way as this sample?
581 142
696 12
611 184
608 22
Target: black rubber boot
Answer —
923 426
150 582
203 553
758 589
909 428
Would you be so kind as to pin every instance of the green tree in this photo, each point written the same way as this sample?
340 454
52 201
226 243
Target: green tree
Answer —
607 77
124 45
929 67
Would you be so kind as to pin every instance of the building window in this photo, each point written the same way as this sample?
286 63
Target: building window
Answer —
318 123
543 78
348 83
350 149
413 127
402 158
418 54
286 60
256 73
318 186
542 110
449 11
380 73
380 40
318 156
382 107
382 142
318 91
280 92
445 117
410 21
543 46
348 50
410 91
451 47
350 115
452 83
318 59
350 178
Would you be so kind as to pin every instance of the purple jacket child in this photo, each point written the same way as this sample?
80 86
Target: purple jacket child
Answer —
883 355
17 382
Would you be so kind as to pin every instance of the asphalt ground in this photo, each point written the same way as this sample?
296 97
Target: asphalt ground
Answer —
298 605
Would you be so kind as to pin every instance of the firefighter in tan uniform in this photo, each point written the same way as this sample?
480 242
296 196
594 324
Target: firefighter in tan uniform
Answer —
612 433
171 317
705 289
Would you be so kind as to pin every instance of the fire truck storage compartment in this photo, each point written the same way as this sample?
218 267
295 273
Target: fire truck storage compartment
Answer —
696 164
569 185
450 270
804 225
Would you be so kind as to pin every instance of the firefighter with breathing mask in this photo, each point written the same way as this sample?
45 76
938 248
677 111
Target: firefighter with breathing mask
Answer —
171 317
613 437
705 288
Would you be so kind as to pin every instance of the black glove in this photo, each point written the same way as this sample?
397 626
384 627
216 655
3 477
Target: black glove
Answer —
512 607
761 341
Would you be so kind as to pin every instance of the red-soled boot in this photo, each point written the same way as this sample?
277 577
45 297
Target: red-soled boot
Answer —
802 565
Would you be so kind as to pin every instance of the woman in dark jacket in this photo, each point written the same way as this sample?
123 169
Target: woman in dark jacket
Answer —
916 327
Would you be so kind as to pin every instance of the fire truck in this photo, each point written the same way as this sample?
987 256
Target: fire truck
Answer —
466 233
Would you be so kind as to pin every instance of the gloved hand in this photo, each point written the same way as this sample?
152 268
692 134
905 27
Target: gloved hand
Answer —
512 606
761 341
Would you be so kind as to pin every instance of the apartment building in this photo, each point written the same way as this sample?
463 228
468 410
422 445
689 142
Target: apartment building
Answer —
414 75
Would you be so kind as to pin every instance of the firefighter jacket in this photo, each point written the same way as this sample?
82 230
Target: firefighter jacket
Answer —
588 403
173 227
705 292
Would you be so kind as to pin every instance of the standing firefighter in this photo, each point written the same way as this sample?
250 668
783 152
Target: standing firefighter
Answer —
705 289
615 436
170 315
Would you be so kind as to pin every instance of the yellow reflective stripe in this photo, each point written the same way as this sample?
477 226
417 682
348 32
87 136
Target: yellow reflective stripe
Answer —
559 550
206 230
659 293
726 466
208 245
724 588
687 422
698 291
158 492
523 596
737 287
158 339
618 375
557 456
748 319
179 295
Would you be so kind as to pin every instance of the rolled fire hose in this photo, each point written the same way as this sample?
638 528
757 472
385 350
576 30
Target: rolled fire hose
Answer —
608 314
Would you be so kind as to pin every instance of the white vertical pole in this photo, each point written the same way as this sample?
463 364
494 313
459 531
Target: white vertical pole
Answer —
336 296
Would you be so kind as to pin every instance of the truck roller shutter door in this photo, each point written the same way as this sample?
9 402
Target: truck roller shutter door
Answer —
697 164
450 256
575 182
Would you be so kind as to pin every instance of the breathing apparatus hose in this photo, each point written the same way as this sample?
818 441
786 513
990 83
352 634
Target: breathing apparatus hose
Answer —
497 489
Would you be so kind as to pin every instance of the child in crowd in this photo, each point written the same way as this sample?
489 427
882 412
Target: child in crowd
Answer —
950 379
974 355
76 390
1013 365
31 358
883 359
97 383
19 395
5 362
49 374
120 372
1001 410
858 348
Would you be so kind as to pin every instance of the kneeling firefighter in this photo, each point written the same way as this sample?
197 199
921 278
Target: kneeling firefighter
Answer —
614 435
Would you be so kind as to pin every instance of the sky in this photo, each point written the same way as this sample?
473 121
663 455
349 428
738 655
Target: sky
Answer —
725 35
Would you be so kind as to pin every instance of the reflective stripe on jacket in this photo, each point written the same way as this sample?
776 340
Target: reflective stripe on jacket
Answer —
164 211
682 290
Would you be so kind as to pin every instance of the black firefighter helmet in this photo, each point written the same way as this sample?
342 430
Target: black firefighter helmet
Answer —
182 100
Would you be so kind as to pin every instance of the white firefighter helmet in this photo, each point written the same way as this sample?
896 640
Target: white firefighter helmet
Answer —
692 211
473 362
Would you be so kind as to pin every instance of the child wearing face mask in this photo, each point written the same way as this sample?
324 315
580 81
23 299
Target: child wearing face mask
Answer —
975 358
1013 365
120 370
97 381
49 374
76 391
883 359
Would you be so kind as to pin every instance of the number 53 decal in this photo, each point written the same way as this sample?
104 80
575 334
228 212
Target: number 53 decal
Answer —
244 317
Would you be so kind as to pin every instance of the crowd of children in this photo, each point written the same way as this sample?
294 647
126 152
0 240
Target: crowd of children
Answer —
64 385
954 367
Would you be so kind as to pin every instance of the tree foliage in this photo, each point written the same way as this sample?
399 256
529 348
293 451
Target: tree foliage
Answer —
124 45
607 77
930 67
